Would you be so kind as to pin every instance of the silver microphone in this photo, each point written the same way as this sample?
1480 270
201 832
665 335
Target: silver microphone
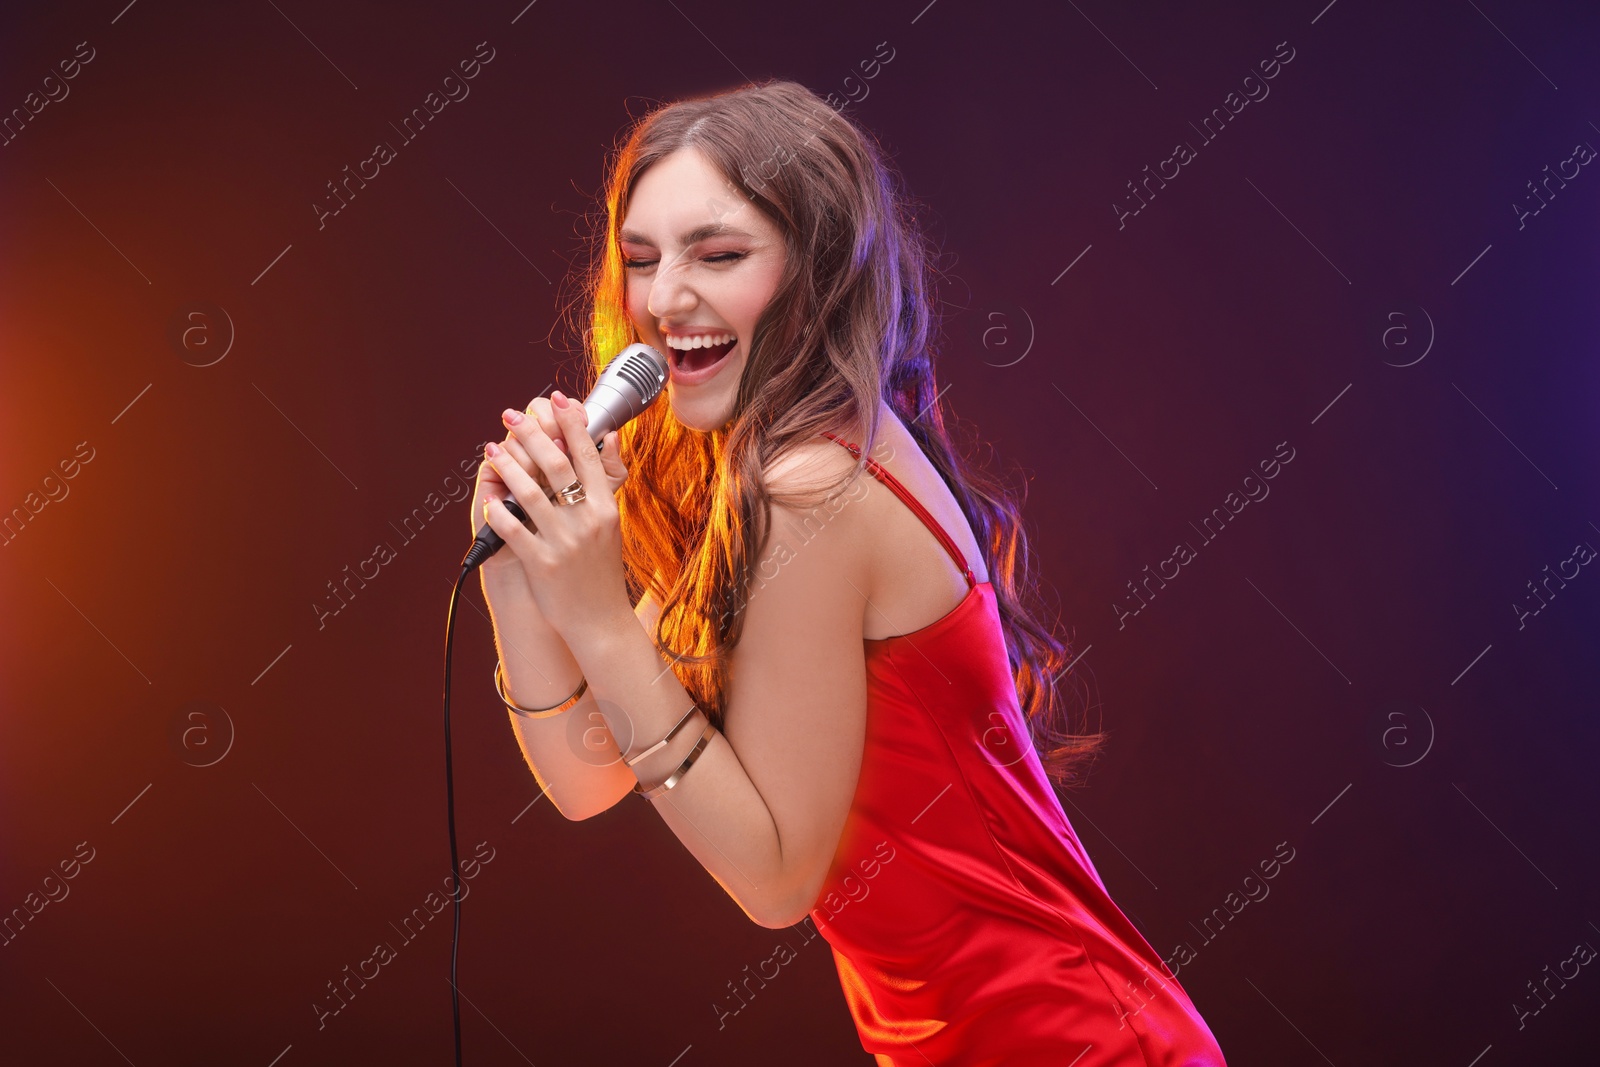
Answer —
631 382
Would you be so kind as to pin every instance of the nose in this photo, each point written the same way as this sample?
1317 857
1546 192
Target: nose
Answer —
670 294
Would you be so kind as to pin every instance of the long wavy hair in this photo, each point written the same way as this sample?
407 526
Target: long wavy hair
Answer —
850 326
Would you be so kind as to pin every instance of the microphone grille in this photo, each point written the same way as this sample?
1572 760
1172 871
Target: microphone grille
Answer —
644 369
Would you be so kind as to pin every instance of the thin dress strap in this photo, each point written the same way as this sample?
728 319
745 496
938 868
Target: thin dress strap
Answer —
883 475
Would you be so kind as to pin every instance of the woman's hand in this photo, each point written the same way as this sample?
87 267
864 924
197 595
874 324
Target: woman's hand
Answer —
571 554
542 411
492 486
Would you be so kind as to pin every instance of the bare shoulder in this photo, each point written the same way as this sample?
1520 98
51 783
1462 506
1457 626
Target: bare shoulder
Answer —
815 512
809 465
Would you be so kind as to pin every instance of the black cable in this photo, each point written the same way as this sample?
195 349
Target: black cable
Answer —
486 544
450 807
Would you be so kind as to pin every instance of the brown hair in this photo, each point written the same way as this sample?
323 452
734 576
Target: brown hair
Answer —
850 326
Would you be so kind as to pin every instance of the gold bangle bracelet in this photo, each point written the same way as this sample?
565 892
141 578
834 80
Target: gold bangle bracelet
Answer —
630 761
683 768
537 713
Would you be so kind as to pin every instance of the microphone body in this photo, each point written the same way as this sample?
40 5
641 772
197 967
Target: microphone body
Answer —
631 382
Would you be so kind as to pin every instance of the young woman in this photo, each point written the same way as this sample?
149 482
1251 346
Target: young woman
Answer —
830 684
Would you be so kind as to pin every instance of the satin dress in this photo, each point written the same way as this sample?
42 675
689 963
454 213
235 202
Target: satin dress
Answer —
967 923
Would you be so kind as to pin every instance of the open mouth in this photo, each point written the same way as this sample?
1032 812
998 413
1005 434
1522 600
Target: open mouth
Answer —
698 359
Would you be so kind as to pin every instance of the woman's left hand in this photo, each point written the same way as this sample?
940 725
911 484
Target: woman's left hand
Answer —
573 553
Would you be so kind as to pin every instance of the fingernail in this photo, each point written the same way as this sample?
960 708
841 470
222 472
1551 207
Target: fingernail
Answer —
558 398
510 417
491 449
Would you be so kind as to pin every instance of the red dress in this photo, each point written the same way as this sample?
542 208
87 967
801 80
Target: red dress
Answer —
968 926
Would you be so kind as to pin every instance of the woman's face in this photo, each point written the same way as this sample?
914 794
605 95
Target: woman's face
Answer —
701 261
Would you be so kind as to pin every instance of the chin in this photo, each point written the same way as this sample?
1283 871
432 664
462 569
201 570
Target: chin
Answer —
704 415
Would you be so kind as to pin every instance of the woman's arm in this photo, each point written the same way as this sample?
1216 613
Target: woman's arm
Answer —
763 807
571 754
576 763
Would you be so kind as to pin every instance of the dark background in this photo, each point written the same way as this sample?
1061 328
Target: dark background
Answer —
1342 671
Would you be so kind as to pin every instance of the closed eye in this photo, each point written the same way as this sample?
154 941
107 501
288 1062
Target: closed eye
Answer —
720 257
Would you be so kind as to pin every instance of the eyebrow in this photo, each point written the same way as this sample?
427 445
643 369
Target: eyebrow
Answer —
699 233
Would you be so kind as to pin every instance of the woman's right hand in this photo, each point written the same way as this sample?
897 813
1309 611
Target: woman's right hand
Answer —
538 429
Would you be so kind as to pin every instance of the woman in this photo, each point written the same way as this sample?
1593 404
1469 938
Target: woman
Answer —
774 648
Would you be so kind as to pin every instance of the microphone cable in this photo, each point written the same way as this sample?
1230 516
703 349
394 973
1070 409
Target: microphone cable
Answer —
480 551
450 809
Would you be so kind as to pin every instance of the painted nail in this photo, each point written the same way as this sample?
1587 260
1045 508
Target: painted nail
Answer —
558 398
510 417
491 449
